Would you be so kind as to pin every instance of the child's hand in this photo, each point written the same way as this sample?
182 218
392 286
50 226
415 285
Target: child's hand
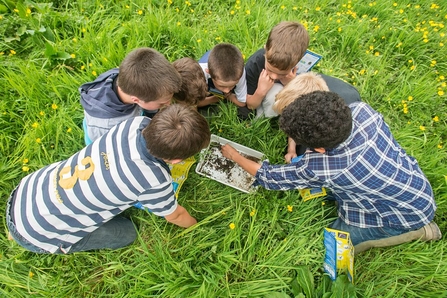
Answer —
265 83
289 156
289 77
229 152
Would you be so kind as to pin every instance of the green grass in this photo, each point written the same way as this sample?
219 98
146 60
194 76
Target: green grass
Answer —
394 53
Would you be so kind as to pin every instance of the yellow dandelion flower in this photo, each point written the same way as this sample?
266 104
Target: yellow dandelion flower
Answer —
94 73
169 2
140 12
38 140
178 23
289 208
28 11
177 9
199 40
73 56
69 129
247 11
440 93
16 10
442 78
339 29
405 110
316 28
410 98
376 54
425 40
54 106
25 169
83 30
25 160
12 52
283 7
82 67
394 4
294 8
31 274
232 12
433 63
127 6
232 226
440 146
323 203
362 72
422 127
436 118
318 8
253 212
35 125
412 67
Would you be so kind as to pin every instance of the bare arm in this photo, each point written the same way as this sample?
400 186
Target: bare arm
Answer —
232 97
291 150
265 83
207 101
249 165
181 218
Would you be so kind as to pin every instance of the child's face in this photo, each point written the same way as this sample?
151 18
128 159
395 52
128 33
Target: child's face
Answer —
224 86
275 73
157 104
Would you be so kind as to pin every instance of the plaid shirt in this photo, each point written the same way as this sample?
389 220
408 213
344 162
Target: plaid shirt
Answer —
374 181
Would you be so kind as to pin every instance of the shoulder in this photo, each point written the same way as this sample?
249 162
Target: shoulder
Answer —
257 57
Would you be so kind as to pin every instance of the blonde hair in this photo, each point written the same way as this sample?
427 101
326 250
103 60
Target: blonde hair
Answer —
302 84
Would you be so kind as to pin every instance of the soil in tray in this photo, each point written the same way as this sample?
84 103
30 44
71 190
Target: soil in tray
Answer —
219 168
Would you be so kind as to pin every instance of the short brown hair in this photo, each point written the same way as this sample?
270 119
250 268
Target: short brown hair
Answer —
225 63
148 75
301 84
194 87
286 45
177 132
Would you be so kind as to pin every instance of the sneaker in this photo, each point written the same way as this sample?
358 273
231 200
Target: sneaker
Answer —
432 232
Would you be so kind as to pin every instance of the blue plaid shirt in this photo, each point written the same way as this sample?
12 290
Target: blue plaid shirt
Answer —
374 181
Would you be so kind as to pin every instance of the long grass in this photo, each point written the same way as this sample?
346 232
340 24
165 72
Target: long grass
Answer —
393 52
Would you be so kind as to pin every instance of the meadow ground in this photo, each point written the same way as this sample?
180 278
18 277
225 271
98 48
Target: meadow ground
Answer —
245 245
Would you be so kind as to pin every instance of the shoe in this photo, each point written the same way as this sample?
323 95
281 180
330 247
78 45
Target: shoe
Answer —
432 232
427 233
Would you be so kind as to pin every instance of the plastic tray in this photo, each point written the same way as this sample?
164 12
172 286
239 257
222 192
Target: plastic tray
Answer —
214 165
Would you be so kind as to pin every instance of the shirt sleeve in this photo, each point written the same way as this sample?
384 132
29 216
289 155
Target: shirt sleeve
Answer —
285 177
241 89
160 200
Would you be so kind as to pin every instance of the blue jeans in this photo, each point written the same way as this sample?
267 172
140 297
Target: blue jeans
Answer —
359 235
116 233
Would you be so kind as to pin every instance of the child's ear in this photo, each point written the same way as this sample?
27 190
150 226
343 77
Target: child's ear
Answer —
134 99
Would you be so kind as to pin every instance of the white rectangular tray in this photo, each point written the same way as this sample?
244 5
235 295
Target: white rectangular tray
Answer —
214 165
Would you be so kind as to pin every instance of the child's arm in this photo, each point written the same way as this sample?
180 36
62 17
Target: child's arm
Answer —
207 101
291 150
181 218
265 83
232 97
249 165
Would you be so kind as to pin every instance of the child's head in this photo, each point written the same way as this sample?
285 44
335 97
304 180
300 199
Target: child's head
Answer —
194 87
286 44
176 133
303 83
225 66
320 119
147 75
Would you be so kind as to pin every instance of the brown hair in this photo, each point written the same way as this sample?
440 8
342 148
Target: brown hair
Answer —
286 45
225 63
177 132
301 84
148 75
194 87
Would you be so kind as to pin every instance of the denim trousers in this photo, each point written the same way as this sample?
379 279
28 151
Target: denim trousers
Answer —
359 235
116 233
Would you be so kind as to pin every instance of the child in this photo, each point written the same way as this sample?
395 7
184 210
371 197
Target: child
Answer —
194 88
144 80
224 70
74 205
271 68
383 196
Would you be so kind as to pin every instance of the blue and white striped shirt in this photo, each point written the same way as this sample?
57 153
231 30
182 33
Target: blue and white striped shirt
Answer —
374 181
60 204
